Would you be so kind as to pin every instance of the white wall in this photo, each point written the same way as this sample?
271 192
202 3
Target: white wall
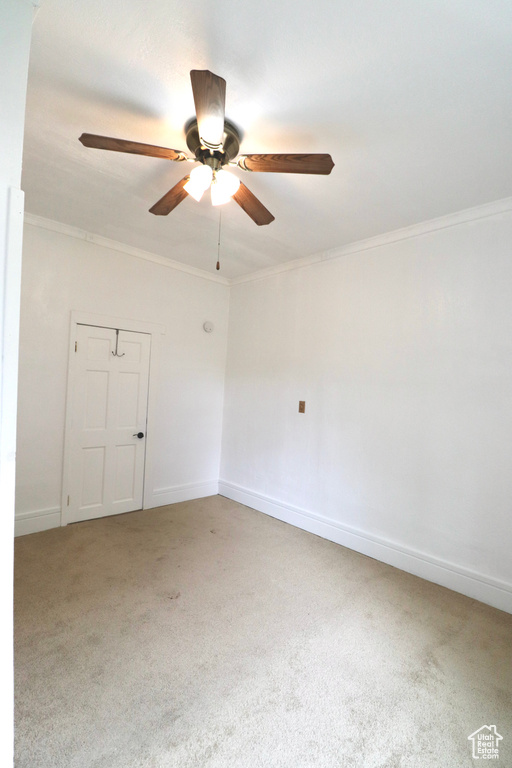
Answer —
400 346
62 273
403 353
15 34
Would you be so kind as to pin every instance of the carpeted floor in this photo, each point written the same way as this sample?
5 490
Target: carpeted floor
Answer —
207 634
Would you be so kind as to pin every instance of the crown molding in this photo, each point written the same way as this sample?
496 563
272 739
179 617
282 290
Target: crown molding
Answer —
466 216
115 245
415 230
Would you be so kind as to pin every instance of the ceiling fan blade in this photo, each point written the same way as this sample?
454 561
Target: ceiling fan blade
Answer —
287 163
252 206
209 98
171 199
133 147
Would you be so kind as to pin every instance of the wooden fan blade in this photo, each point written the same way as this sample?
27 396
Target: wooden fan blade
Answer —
133 147
252 206
171 199
209 98
287 163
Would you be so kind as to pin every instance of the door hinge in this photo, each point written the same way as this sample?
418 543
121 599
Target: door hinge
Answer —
76 346
68 501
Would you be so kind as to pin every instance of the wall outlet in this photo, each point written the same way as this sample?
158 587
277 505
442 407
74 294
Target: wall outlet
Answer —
302 406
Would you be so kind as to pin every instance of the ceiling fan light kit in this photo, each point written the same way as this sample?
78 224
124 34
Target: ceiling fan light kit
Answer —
199 181
224 186
215 143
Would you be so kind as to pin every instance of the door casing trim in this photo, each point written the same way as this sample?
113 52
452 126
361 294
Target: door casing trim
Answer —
126 324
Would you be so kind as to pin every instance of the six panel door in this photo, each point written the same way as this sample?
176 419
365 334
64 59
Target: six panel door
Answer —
109 410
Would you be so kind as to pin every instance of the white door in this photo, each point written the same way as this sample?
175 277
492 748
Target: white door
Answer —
107 436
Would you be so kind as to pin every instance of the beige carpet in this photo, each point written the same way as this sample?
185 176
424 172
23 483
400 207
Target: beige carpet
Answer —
207 634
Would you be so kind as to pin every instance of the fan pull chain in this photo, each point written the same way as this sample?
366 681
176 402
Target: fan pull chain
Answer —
218 244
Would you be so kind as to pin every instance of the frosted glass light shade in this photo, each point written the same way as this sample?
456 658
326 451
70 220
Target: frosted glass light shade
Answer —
200 180
224 187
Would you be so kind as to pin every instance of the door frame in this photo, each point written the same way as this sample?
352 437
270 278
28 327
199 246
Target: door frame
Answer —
155 330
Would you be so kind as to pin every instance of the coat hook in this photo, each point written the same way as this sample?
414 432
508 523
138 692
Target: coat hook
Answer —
117 342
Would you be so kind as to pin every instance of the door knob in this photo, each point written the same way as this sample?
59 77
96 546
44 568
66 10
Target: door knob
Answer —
140 435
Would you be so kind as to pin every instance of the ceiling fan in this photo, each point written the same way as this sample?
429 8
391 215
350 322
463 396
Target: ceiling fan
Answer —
215 143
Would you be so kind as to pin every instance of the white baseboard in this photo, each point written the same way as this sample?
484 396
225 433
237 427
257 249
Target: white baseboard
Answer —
470 583
34 522
186 492
43 519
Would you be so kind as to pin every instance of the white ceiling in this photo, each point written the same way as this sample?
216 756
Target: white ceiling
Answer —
412 98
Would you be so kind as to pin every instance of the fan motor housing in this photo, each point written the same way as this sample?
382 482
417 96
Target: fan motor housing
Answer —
230 145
